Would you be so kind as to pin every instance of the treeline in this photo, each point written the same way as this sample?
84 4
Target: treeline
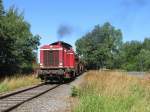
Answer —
103 47
17 43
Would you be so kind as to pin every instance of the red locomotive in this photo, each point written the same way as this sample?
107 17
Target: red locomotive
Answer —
59 62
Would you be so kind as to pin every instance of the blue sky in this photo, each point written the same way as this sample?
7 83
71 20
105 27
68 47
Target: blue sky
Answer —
45 16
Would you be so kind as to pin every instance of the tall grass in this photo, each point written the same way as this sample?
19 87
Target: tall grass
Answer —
15 82
106 91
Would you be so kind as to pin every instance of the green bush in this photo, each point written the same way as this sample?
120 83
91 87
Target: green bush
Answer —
74 91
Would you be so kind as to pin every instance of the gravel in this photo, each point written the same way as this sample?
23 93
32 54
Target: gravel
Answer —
57 100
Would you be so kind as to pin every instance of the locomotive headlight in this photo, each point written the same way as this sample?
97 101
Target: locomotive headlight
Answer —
60 64
41 65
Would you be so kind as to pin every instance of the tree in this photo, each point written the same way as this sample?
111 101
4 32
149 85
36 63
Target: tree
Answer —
128 54
17 43
1 8
99 46
146 44
134 55
143 60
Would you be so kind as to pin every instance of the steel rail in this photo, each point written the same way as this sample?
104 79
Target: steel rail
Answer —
10 108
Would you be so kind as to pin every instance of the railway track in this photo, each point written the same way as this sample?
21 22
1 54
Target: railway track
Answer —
11 101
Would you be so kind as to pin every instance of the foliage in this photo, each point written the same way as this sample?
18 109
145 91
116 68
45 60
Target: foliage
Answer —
1 8
129 51
103 48
135 56
100 46
74 91
17 43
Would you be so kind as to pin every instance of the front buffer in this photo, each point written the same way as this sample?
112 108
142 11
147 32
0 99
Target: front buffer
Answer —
56 75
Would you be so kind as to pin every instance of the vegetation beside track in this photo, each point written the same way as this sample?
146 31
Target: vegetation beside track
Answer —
18 81
106 91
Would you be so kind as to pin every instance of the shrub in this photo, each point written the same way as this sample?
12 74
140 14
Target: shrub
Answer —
74 91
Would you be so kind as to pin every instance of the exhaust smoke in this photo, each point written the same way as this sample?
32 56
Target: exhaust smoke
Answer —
64 30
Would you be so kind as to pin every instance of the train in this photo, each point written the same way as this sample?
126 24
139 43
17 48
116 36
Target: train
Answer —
59 62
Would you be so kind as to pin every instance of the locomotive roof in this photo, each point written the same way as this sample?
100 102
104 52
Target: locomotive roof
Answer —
62 43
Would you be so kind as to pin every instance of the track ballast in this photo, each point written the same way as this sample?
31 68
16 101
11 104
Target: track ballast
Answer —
12 101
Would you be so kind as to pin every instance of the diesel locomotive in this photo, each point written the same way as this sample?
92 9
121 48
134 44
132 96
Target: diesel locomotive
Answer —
59 62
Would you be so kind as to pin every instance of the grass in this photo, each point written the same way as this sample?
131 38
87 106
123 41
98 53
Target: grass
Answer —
9 84
112 91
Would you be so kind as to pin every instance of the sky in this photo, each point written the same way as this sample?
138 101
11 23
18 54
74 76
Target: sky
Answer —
46 17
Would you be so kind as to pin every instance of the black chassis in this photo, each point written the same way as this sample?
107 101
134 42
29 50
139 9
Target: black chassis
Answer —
55 74
50 74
